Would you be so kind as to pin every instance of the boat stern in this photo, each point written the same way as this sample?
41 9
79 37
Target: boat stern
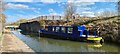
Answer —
96 39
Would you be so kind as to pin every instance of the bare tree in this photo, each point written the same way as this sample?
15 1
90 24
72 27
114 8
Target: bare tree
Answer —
70 10
106 13
2 16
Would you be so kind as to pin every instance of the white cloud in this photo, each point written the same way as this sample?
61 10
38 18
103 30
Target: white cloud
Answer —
77 1
17 6
102 12
19 0
107 0
23 0
13 6
62 3
83 9
54 1
87 13
37 12
84 3
51 1
47 1
50 10
53 12
91 15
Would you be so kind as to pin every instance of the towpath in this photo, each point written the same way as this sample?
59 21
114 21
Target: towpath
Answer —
11 43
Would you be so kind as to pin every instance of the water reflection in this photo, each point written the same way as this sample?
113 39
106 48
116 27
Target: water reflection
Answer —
54 45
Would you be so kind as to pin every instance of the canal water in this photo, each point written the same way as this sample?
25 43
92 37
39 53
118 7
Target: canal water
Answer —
40 44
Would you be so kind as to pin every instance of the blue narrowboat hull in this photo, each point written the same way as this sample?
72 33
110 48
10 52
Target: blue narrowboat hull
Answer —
62 37
77 34
81 39
57 35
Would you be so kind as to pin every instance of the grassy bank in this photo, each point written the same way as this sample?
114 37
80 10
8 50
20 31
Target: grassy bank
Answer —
107 28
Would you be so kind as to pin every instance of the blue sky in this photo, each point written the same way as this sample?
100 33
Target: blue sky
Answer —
28 10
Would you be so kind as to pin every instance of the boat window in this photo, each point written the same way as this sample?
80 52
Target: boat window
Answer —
92 32
57 29
70 30
63 29
46 27
85 32
53 28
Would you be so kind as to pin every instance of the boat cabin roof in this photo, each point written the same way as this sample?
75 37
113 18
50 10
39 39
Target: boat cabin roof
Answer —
79 28
66 26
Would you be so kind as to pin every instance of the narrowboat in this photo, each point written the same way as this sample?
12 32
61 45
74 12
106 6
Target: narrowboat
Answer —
77 33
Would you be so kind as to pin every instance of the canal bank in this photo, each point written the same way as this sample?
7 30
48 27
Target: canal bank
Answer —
13 44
